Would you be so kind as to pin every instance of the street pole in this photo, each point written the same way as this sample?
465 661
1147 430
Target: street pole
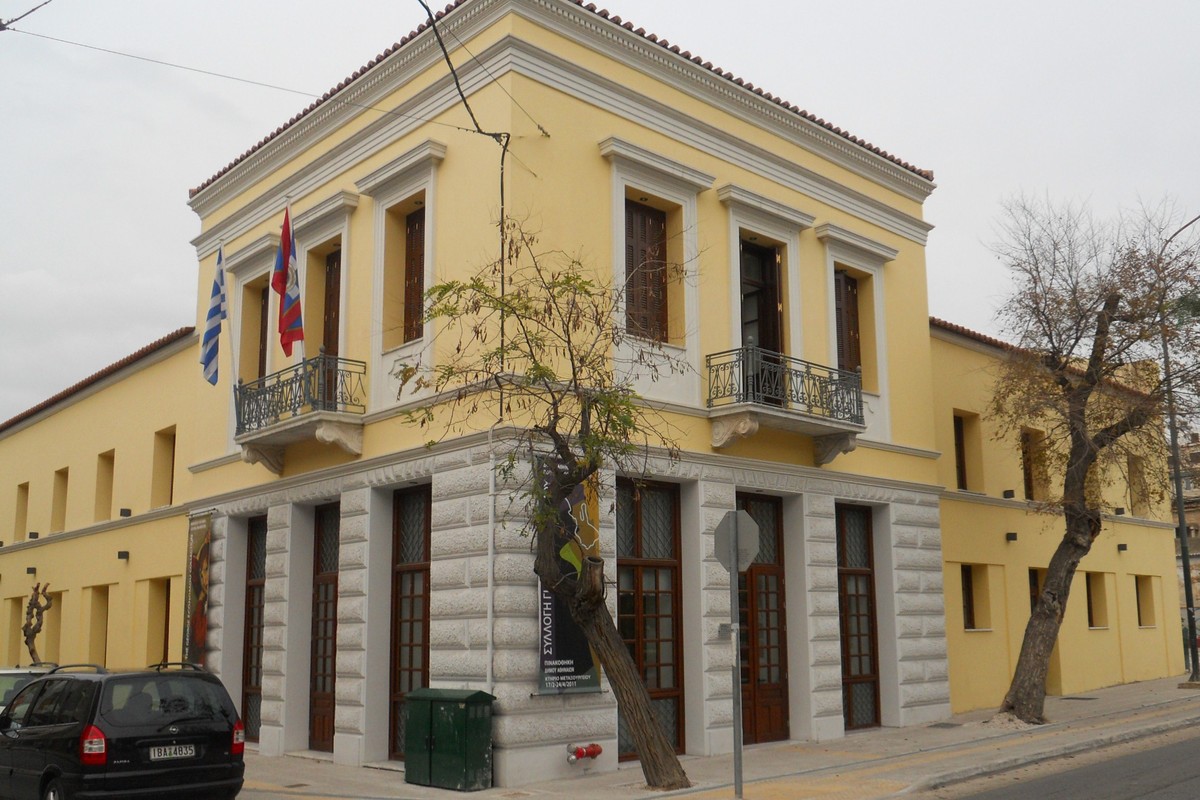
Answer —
1180 514
736 637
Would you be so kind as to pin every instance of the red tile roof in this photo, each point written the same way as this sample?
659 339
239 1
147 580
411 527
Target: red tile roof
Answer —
970 334
111 369
729 76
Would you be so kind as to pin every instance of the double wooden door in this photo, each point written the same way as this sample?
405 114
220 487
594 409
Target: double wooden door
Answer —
763 625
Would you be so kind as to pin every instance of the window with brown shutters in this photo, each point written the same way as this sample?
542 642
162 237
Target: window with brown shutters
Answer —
414 275
645 271
845 297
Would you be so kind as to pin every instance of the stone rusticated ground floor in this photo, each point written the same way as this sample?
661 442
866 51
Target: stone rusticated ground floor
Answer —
854 578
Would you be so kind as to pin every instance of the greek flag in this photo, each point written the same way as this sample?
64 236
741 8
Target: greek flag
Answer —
212 323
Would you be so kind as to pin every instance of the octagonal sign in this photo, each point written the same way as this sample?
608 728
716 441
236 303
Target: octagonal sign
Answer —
747 540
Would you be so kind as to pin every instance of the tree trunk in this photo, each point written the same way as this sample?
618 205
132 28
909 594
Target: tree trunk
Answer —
585 596
660 765
1026 696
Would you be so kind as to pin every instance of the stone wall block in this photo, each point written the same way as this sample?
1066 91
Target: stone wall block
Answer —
448 633
717 495
516 631
448 574
351 582
459 603
352 530
352 609
454 665
516 601
355 502
526 729
449 513
461 482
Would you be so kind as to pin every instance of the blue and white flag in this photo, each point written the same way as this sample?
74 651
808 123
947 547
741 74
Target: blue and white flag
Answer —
212 323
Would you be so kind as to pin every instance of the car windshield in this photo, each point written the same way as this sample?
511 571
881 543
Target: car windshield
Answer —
162 699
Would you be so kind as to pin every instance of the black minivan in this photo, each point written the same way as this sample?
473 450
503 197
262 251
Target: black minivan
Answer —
83 732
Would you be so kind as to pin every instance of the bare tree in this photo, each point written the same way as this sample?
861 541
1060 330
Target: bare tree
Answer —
1093 307
542 342
35 611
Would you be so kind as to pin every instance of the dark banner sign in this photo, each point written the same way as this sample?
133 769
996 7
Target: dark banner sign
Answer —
195 619
566 662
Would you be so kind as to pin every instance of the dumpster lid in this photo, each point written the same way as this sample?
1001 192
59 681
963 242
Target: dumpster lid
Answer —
451 695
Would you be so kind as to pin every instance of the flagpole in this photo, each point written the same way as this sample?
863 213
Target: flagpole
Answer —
234 343
300 273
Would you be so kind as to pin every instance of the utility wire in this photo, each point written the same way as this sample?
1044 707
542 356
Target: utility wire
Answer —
483 66
5 23
210 73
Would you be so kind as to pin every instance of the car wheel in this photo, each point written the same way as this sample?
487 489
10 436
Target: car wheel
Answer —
54 791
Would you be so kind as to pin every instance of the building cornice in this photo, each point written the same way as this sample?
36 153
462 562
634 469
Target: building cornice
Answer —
391 73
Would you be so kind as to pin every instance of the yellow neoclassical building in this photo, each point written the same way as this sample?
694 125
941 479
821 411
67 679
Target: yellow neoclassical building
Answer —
294 526
1122 619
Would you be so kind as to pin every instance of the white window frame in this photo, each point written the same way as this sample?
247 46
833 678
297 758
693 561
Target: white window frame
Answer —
753 212
635 168
414 172
843 246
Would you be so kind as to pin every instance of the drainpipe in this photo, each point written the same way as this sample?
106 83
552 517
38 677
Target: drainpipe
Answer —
491 573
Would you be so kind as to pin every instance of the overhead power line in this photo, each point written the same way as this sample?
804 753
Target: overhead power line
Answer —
224 76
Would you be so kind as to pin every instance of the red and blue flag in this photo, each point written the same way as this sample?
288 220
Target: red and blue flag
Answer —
285 280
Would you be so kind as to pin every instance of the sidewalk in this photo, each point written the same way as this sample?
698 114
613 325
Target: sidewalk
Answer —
862 766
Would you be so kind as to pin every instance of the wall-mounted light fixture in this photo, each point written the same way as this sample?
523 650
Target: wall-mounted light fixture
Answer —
123 555
1122 547
33 534
1009 494
1119 511
31 570
1011 536
126 512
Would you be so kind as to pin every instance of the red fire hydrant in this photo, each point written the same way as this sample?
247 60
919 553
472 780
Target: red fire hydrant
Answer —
577 752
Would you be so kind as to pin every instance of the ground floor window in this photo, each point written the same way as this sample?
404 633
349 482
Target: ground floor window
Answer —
410 606
648 594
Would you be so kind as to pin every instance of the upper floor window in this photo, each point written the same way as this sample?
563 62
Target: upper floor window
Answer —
967 452
646 271
846 321
404 272
1033 464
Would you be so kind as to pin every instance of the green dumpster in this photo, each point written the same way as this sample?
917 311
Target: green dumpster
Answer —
448 741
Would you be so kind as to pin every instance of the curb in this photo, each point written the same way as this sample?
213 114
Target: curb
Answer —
1016 762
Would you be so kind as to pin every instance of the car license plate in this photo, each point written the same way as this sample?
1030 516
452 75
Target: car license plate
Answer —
164 753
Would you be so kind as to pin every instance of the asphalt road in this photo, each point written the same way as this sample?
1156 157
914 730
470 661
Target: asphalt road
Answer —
1158 768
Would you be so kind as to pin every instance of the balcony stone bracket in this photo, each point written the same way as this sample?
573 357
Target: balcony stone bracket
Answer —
347 436
270 456
827 448
728 429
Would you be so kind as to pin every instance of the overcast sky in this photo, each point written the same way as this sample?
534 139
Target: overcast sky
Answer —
1087 100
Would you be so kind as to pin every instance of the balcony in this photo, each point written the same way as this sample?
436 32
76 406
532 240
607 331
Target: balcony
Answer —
320 399
750 387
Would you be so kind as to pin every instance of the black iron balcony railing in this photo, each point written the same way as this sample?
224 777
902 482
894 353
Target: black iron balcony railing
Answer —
754 375
323 383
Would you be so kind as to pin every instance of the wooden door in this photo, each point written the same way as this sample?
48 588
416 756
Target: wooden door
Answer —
255 625
330 338
324 628
762 324
763 624
856 611
410 607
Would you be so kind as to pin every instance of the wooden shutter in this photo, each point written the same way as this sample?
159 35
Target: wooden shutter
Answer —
645 271
414 275
845 295
264 297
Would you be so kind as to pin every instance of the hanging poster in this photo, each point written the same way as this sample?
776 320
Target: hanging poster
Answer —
566 662
195 611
